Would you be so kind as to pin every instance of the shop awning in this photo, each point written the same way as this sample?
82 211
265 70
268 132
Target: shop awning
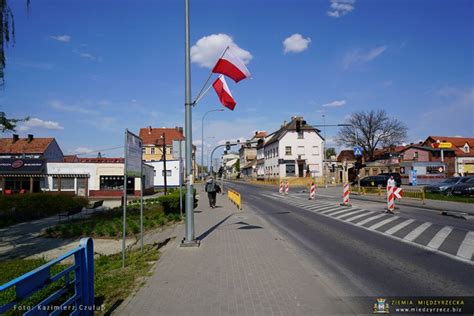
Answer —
44 175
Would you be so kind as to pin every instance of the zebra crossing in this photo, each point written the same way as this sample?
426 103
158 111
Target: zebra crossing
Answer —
442 239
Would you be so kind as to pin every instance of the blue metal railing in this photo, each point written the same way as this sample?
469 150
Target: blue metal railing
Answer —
81 285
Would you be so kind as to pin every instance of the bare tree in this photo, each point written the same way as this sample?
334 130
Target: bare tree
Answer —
373 128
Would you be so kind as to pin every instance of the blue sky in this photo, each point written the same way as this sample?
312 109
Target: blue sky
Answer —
86 70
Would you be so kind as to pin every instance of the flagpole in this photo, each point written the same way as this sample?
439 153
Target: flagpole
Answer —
202 95
208 78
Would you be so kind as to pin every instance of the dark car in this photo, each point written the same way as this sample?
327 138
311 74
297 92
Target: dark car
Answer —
465 187
373 181
445 186
396 177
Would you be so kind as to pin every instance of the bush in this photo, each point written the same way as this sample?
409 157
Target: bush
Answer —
170 201
26 207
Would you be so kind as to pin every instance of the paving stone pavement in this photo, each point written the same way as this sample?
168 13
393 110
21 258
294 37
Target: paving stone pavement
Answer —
241 268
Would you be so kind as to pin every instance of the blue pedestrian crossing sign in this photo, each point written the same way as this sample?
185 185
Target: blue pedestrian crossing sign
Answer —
357 151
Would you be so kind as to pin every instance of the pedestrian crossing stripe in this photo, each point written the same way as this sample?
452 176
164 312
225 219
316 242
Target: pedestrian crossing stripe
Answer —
391 225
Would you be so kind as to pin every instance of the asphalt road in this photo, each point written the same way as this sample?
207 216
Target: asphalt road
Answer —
362 260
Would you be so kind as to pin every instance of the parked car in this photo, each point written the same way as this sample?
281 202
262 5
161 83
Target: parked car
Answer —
373 181
396 177
445 186
465 187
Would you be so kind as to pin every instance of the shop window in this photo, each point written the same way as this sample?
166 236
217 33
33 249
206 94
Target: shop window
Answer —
116 183
66 183
290 169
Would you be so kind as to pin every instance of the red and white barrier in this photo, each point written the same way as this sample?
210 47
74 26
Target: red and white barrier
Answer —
390 199
280 190
346 194
312 191
287 187
393 193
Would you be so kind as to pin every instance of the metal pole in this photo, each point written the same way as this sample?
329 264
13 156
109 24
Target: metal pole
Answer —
124 226
142 180
202 136
190 239
163 151
180 181
324 153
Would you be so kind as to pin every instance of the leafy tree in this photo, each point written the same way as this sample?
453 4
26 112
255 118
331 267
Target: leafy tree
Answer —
9 124
373 128
7 33
330 152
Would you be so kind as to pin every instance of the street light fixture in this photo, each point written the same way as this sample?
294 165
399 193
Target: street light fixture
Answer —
202 133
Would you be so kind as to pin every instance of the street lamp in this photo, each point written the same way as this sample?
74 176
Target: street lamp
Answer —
202 166
202 134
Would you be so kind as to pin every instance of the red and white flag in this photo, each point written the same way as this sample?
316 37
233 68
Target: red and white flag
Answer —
223 93
231 66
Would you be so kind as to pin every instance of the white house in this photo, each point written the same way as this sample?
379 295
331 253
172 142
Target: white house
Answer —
292 151
172 173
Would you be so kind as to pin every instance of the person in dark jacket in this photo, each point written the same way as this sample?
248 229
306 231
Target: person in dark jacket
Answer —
212 188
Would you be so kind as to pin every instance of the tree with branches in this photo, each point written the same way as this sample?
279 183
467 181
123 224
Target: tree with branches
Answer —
9 124
370 130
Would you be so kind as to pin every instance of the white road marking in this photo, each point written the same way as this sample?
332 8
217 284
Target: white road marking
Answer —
386 221
466 250
365 221
417 232
351 213
358 216
333 208
440 236
339 212
396 228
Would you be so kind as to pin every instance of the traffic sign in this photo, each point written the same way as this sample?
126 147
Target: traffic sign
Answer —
398 192
357 151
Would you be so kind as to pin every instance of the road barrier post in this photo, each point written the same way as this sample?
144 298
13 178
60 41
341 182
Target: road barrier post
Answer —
345 195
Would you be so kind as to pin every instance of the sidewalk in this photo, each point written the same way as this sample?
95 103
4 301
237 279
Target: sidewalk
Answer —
241 268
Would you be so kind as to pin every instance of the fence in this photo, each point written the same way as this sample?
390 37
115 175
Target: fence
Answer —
76 279
412 193
235 198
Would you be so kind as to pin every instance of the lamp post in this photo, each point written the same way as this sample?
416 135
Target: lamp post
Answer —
324 153
202 135
202 166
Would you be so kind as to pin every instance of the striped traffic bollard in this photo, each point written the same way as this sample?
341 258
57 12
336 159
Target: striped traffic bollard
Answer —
312 191
390 199
280 190
345 195
287 187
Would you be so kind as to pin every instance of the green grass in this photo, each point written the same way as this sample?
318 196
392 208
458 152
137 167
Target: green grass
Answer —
108 224
112 283
450 198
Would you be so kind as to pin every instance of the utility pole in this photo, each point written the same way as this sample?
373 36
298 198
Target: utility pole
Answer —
163 150
190 238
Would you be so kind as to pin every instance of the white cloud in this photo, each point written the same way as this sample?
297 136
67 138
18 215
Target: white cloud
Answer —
59 105
208 49
38 123
81 151
335 103
296 43
61 38
340 8
356 57
87 55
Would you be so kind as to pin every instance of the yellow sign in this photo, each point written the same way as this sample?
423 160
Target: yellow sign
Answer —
445 145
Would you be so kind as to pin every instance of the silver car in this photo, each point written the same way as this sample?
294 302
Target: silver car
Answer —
446 186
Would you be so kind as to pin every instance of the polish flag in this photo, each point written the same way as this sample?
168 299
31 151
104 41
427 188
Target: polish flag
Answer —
223 93
231 66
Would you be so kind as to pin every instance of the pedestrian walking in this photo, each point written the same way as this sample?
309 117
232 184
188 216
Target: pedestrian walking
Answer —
212 188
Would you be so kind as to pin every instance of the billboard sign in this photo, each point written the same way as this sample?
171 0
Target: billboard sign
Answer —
133 155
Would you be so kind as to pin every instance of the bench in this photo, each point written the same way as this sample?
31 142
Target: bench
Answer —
71 212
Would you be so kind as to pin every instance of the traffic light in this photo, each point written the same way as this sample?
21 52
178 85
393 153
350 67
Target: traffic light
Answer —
227 145
221 171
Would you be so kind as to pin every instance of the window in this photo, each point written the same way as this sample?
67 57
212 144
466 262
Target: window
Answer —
315 150
168 173
81 183
300 150
290 169
144 150
415 155
153 151
66 183
288 150
115 183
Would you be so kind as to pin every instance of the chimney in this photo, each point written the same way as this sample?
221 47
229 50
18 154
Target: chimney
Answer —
15 138
180 129
30 138
149 130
